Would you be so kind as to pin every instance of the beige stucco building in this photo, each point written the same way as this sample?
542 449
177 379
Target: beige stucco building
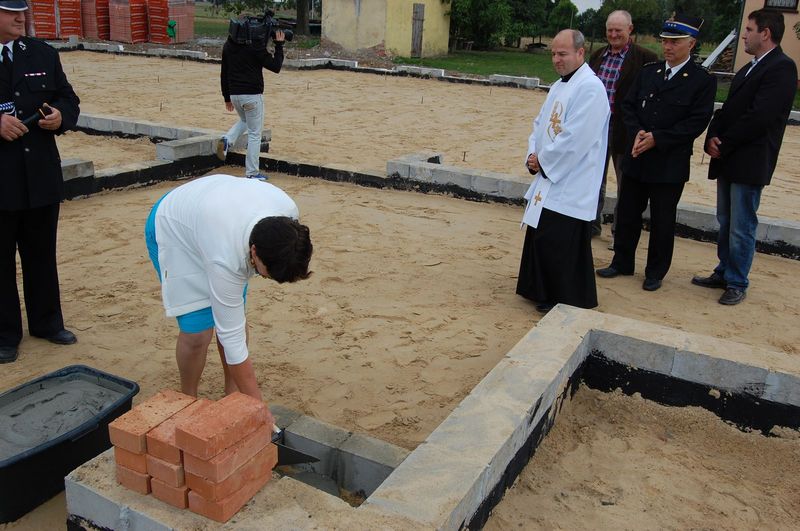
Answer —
790 42
407 28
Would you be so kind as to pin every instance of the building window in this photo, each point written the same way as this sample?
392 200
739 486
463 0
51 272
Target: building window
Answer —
782 5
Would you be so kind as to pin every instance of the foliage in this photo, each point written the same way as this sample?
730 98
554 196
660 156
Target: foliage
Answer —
484 22
563 15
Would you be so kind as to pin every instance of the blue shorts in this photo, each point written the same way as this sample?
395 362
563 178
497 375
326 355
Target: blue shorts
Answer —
192 322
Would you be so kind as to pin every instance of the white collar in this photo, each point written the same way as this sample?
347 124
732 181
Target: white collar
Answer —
675 69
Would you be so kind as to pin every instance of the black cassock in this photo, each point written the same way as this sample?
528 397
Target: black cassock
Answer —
556 265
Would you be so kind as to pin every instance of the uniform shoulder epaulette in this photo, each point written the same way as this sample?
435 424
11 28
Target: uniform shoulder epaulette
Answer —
651 63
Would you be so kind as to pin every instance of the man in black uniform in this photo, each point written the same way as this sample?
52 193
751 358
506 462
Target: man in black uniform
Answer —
32 82
667 108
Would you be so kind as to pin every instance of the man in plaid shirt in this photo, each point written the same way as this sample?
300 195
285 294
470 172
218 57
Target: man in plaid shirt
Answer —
617 66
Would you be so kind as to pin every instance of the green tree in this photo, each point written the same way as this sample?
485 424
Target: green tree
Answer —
528 19
484 22
648 15
563 15
591 24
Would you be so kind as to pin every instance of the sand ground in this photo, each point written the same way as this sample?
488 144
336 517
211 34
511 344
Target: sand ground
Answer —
412 301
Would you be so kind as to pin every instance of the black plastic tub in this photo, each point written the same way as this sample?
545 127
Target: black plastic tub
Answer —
50 426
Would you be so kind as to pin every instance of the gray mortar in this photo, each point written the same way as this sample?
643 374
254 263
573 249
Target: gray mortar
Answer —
33 416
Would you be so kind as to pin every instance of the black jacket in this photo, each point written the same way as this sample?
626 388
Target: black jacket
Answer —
751 122
675 111
242 67
634 60
31 165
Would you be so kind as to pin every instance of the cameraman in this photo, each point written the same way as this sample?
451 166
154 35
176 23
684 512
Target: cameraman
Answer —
242 84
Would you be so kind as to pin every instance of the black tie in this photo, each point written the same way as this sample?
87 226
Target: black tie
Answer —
6 58
667 73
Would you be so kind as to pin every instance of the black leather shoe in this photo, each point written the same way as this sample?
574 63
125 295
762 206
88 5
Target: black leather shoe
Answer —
651 284
544 307
711 281
62 337
8 354
732 296
610 272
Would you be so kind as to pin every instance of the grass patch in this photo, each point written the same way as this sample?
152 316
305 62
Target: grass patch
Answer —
210 27
508 62
305 43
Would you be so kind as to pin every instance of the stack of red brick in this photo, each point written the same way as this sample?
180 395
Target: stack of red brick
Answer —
128 20
44 18
161 12
211 457
96 24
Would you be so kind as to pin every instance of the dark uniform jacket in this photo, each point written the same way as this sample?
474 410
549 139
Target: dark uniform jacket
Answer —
675 111
31 166
751 122
634 59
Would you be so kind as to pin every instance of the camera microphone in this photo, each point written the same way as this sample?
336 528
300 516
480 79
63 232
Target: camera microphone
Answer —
40 113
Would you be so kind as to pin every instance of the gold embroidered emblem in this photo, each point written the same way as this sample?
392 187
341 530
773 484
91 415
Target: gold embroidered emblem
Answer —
537 198
554 129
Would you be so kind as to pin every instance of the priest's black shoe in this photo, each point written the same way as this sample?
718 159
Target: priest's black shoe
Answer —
62 337
651 284
8 354
544 307
712 281
732 296
610 272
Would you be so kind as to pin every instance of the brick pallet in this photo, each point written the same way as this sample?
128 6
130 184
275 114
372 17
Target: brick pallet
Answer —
44 18
160 12
96 24
128 20
69 17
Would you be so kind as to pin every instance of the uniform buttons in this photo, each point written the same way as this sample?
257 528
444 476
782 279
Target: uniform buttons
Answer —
27 150
43 86
16 94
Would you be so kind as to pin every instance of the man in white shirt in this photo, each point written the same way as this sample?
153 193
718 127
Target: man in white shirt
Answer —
566 152
206 239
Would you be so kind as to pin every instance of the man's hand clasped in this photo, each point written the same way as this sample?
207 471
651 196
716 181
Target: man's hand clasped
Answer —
644 141
712 147
533 163
11 127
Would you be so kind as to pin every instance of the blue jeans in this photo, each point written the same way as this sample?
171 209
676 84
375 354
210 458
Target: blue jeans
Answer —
737 205
250 108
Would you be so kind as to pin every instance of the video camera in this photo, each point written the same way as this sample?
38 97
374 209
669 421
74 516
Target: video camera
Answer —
256 30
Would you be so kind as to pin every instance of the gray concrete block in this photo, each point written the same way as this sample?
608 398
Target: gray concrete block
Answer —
420 70
319 439
344 63
719 373
103 47
402 169
97 123
698 217
76 168
527 82
284 417
512 188
170 52
634 352
364 463
189 147
119 125
131 166
451 175
782 388
780 230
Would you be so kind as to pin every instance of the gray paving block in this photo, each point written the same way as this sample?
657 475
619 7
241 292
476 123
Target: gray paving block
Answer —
365 462
511 188
634 352
420 70
779 230
344 62
719 373
782 388
698 217
76 168
131 166
398 167
319 439
284 417
451 175
527 82
188 147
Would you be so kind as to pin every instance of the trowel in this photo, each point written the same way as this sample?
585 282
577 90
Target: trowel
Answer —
287 455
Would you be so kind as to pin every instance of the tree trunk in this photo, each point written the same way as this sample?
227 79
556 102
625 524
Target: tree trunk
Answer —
302 18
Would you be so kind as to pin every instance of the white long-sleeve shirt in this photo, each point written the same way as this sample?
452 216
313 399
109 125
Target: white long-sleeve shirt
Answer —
569 137
203 233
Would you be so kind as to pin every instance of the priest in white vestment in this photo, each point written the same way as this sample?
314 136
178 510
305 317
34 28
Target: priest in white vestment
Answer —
566 153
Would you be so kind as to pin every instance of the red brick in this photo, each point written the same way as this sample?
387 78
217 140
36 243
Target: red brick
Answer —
169 473
226 462
130 460
161 439
261 465
133 480
129 430
220 425
175 496
222 510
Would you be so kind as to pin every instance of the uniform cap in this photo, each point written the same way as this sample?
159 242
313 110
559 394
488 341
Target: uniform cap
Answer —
680 27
